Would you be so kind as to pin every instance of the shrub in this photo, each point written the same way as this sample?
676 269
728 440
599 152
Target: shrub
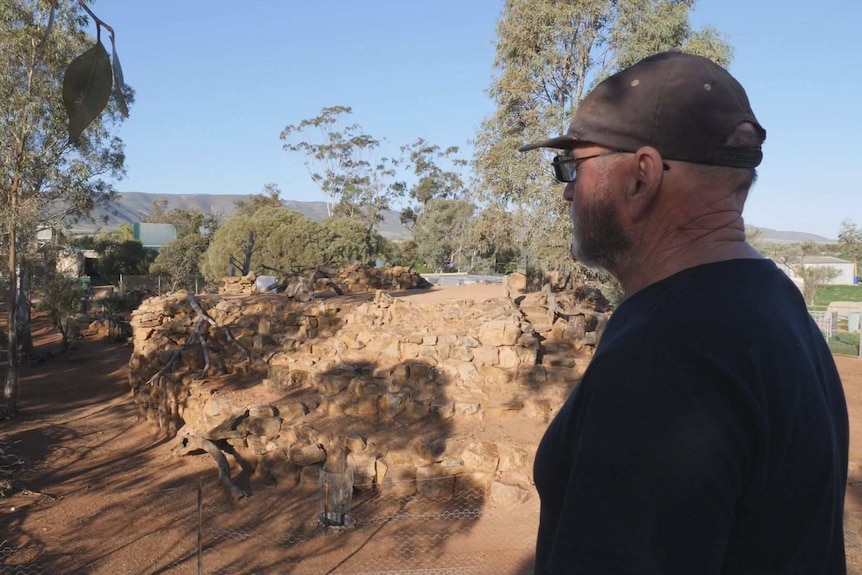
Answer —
843 343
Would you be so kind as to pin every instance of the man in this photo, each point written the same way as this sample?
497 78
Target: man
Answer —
709 433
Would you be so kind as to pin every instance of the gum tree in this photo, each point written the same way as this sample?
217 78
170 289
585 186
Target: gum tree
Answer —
344 163
56 144
548 56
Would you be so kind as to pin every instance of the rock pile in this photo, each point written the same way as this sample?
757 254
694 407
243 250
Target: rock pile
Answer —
285 382
351 278
359 278
237 285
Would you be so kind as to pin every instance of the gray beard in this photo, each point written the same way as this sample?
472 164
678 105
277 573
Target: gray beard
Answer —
598 240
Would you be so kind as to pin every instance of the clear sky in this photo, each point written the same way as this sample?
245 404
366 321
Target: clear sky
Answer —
217 81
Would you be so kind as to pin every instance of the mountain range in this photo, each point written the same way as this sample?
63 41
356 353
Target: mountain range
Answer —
132 207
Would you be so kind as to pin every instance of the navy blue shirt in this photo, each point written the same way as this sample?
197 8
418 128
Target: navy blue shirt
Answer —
709 435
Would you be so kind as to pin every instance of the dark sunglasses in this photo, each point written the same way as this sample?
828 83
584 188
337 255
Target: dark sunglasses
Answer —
566 167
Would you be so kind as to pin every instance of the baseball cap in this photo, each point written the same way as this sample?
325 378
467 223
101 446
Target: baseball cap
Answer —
683 105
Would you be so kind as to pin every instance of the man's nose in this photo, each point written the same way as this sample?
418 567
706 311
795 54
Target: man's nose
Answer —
569 191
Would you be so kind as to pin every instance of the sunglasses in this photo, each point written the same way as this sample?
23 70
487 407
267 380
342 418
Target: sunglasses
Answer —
566 167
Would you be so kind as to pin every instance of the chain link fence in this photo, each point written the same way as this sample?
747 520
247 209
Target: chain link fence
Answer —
199 530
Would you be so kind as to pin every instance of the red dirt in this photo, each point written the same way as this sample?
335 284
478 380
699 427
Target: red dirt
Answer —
110 485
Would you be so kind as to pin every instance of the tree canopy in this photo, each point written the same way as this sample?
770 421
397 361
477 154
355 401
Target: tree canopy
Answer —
286 241
56 144
345 164
548 56
850 242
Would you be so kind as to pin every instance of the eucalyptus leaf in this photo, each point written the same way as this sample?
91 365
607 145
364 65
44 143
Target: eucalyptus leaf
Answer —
86 89
118 80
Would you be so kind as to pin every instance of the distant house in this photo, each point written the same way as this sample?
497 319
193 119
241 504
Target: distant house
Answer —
154 236
847 274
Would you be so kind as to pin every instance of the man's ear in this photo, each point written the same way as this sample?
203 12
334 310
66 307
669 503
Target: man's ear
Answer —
646 183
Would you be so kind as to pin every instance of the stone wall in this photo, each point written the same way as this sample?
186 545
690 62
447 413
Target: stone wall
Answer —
407 389
352 278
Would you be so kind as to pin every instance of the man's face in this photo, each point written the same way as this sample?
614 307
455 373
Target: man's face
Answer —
598 238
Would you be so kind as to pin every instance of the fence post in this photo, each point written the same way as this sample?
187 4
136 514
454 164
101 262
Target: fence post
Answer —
200 527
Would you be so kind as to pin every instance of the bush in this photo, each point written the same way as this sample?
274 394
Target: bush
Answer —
843 343
116 304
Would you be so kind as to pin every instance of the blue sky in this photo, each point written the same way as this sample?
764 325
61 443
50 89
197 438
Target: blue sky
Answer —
217 81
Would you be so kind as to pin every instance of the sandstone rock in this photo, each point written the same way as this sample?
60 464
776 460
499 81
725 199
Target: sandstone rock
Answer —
468 410
515 284
261 410
290 410
508 358
514 458
539 409
307 455
265 427
460 353
495 376
356 443
467 372
481 456
409 350
499 332
486 355
505 495
443 409
301 434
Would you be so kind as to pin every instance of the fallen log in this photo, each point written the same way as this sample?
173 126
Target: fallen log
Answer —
191 442
189 343
202 315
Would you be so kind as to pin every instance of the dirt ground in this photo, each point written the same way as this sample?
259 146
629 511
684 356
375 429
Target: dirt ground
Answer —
87 503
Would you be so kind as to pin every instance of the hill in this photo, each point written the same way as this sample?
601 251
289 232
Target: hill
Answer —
132 207
781 236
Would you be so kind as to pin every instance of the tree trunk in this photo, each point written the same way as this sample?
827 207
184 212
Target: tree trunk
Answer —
246 266
25 336
10 390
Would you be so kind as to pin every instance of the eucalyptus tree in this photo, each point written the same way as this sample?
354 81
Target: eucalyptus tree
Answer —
441 234
438 173
270 197
850 242
549 54
62 97
286 241
345 164
283 240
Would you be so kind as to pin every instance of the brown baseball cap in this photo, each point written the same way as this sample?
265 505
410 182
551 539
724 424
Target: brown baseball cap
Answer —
684 106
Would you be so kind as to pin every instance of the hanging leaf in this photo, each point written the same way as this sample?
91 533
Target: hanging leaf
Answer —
86 89
118 80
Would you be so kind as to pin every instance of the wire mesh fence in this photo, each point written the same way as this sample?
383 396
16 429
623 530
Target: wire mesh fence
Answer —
198 530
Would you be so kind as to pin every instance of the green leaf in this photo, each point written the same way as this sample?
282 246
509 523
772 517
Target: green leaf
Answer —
86 89
118 80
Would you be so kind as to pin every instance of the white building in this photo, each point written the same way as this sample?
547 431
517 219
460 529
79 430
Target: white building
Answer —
846 269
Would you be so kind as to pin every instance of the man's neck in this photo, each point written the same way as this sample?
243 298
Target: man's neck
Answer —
672 252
